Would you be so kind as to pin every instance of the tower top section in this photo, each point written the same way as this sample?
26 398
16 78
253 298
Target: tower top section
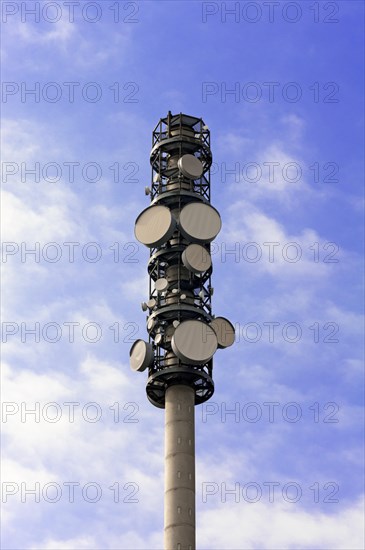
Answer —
178 227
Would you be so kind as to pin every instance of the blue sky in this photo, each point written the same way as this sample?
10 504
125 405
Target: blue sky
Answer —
294 377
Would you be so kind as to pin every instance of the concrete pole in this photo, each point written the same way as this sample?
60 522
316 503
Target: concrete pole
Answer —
179 533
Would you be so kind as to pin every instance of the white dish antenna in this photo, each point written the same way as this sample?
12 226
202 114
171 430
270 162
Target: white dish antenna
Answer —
154 226
190 166
224 330
151 323
141 355
161 284
196 258
199 222
194 342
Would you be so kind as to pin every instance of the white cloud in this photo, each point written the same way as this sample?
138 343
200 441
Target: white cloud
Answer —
232 143
67 36
294 126
31 31
288 256
125 445
271 174
83 542
272 526
136 288
126 541
48 220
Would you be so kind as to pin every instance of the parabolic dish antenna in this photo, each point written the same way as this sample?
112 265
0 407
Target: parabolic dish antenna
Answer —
161 284
151 323
190 166
141 355
196 258
224 330
199 222
154 226
194 342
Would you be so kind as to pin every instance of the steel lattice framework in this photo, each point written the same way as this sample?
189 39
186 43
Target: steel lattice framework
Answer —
186 294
